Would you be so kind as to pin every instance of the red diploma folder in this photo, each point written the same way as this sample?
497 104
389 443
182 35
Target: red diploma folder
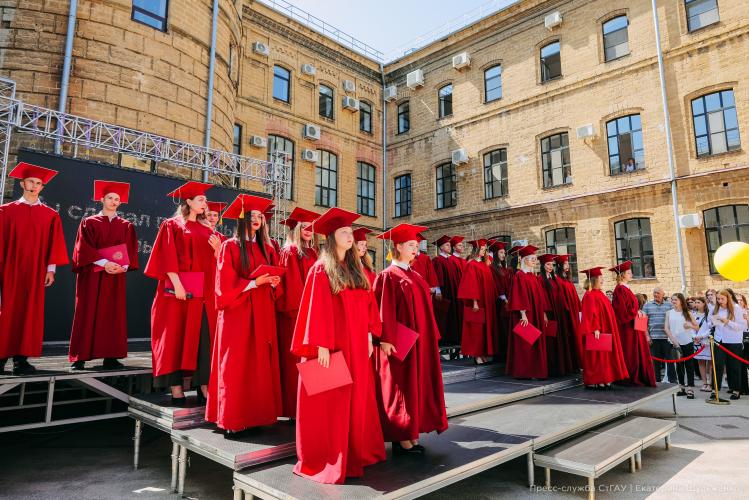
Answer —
269 270
550 330
528 333
117 254
317 379
191 281
598 344
405 338
472 316
641 323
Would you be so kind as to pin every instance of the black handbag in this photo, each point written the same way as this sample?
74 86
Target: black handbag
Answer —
676 352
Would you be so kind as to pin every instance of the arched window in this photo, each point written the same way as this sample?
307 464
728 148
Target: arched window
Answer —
615 38
724 224
326 179
626 152
495 173
716 125
562 241
326 102
447 194
365 117
551 61
282 144
281 84
404 117
634 242
365 188
493 83
445 95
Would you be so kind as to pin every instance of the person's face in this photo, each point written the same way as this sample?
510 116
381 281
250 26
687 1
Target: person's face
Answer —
407 250
32 185
700 305
501 254
211 217
675 301
482 251
459 247
658 295
306 231
710 297
361 246
344 238
548 267
690 303
722 300
742 302
627 275
531 260
446 248
198 205
256 220
566 266
111 202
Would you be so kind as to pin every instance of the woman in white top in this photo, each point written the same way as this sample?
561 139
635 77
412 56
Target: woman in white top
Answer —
744 378
729 322
704 359
680 329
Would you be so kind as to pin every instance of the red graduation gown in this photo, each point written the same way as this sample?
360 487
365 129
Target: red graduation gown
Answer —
100 319
448 277
559 349
459 261
503 282
287 308
371 275
478 284
524 360
338 432
31 238
600 367
572 318
422 264
245 388
180 246
410 394
634 344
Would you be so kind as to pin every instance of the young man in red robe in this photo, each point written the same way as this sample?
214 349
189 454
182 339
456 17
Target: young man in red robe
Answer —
529 306
245 386
456 243
360 241
213 216
100 319
571 301
422 264
561 346
478 293
31 247
447 305
410 393
298 255
600 368
502 274
338 431
634 344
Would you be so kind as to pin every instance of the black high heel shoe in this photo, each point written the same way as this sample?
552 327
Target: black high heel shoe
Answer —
179 402
398 449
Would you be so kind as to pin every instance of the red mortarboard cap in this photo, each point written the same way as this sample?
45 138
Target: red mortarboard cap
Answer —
335 218
560 259
514 249
25 170
498 245
103 188
216 206
547 257
402 233
478 243
442 240
268 212
360 234
420 237
190 190
456 239
593 271
527 250
299 215
244 203
624 266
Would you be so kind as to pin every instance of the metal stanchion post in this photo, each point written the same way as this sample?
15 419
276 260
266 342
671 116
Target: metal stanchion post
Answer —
716 400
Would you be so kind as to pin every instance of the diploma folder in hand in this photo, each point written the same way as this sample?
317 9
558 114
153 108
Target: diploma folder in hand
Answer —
117 254
192 282
641 323
477 317
550 330
603 343
405 338
529 333
266 269
317 379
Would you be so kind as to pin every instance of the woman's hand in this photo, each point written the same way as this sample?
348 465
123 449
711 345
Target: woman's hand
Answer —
475 306
370 348
214 241
597 334
49 278
640 313
546 320
179 291
268 279
323 356
388 349
523 319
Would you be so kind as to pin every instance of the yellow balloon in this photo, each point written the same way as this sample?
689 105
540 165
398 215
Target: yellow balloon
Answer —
732 261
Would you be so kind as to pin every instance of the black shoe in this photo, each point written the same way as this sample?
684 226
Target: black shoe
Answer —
735 396
112 364
23 368
3 361
681 393
413 450
179 402
77 366
202 400
419 448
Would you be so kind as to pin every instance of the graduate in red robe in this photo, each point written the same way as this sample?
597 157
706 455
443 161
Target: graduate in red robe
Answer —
529 306
478 293
181 326
502 274
635 344
600 368
31 247
245 386
100 319
456 243
213 216
410 393
422 264
360 239
563 273
446 304
559 347
338 431
298 254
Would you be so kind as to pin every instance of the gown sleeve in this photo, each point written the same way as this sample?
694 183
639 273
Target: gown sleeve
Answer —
624 308
84 251
386 290
58 253
314 326
469 288
229 284
591 320
132 247
163 258
519 295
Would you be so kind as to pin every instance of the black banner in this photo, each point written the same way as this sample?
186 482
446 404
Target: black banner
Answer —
70 193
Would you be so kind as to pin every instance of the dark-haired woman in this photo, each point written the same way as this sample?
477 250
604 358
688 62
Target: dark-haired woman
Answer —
571 300
478 293
360 242
502 274
245 388
728 319
338 431
180 324
559 348
681 329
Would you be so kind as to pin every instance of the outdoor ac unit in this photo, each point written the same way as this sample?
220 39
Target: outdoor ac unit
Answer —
350 103
415 79
585 131
312 132
309 155
349 86
688 221
258 142
261 48
459 156
391 93
462 60
308 69
553 20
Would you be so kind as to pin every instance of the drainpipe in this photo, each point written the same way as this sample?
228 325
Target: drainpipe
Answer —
211 70
384 162
65 79
670 147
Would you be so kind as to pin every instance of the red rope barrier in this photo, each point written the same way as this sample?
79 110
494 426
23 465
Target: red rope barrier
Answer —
687 358
732 354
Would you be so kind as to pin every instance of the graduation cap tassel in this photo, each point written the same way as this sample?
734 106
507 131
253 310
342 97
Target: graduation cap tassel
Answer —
389 256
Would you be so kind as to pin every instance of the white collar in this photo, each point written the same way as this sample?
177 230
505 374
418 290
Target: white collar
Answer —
443 254
248 239
402 265
457 255
24 200
110 217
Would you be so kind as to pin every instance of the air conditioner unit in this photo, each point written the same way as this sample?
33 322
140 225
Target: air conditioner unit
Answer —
312 132
391 93
459 156
553 20
309 155
462 60
688 221
350 103
261 48
415 79
258 142
585 131
308 69
349 86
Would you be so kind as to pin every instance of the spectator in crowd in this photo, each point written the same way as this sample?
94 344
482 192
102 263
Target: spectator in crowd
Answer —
641 300
744 377
660 347
681 328
711 296
631 165
730 323
690 304
610 295
701 317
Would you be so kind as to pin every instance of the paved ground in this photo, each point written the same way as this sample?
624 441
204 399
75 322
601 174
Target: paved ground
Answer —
709 459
